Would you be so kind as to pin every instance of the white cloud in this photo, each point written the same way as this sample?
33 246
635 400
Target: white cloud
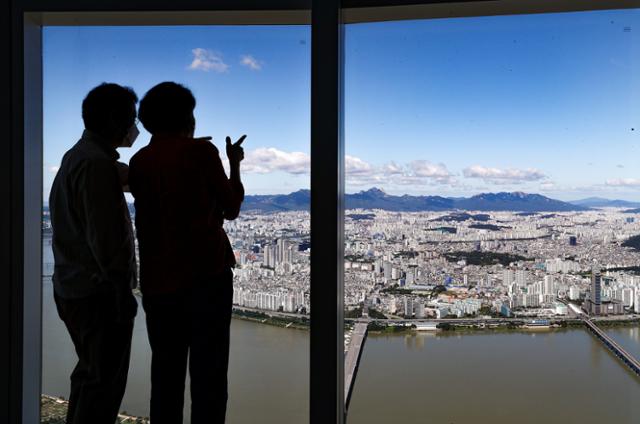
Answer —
356 166
498 175
392 168
624 182
418 172
425 169
251 62
358 171
207 60
269 159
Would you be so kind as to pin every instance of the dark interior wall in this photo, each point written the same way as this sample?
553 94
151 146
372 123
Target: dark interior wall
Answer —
5 207
11 211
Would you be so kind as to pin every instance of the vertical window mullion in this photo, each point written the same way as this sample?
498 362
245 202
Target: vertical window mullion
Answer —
327 193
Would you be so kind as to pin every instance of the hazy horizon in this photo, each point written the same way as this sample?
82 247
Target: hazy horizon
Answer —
130 200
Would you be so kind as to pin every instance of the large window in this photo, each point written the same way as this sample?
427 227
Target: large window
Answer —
247 80
491 196
491 165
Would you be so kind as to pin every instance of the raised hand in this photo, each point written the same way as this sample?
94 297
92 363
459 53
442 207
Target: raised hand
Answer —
235 152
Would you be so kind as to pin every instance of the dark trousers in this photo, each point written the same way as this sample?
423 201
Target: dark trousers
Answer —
192 324
103 345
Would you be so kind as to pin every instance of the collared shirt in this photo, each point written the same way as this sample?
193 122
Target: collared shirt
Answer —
182 197
93 243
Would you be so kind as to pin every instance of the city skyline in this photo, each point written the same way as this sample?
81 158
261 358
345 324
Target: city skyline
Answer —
460 106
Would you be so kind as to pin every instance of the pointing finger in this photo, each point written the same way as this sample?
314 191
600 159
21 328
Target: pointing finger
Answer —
240 140
228 140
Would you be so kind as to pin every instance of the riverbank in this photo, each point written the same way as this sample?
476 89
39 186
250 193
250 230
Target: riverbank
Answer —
378 328
301 323
54 411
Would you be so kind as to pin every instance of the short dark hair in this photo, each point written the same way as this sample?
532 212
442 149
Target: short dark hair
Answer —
167 107
106 101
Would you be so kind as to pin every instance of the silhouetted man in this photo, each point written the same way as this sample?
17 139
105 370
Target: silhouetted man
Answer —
182 197
93 247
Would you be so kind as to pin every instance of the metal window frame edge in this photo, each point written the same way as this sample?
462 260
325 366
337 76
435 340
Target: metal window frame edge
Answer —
327 214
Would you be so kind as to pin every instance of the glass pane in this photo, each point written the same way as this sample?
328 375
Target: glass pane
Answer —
492 180
252 80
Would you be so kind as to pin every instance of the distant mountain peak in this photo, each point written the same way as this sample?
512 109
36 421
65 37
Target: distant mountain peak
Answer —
504 195
376 198
375 191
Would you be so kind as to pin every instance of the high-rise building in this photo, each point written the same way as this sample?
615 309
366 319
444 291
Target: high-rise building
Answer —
395 273
269 256
594 304
549 285
387 270
408 307
574 293
596 286
508 277
522 278
627 297
531 300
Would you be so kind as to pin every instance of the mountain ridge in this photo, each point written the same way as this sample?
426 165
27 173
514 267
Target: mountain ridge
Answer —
600 202
376 198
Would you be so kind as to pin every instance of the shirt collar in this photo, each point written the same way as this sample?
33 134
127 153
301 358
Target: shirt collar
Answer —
99 141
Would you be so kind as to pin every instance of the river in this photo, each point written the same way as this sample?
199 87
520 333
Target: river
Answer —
490 377
516 377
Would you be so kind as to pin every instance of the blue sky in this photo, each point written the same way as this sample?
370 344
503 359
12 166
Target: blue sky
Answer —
540 103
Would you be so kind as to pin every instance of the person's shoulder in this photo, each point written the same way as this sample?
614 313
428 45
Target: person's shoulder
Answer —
77 152
85 153
82 158
204 146
139 155
97 164
204 143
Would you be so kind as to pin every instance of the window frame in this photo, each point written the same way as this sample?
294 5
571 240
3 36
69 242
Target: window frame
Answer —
21 163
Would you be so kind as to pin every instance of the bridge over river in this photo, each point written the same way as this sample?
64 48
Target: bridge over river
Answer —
352 357
614 347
